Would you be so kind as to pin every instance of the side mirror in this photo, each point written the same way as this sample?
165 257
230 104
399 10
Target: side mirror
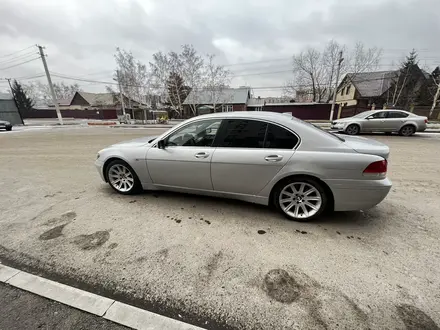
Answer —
368 118
161 144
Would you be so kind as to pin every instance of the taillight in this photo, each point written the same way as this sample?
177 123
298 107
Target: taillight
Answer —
426 121
376 168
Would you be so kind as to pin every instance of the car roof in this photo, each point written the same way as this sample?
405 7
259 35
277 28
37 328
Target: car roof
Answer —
272 116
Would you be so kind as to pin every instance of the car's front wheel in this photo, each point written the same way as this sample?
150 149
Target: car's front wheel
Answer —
352 129
9 128
300 198
122 178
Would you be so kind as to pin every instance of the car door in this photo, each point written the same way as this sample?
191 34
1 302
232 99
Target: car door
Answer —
249 154
185 159
395 120
375 122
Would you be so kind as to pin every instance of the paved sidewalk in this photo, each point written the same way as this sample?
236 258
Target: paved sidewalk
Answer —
23 310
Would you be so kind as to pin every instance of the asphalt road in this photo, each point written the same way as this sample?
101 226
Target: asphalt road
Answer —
23 310
220 263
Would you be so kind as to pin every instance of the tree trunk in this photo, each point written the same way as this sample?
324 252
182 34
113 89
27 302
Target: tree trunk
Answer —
434 103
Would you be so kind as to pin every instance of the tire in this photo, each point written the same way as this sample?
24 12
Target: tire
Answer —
122 178
291 200
407 130
352 129
9 128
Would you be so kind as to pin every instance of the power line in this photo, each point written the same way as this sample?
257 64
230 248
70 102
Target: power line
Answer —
39 75
20 57
18 51
12 66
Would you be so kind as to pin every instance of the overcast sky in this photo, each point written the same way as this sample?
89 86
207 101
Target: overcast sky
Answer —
80 36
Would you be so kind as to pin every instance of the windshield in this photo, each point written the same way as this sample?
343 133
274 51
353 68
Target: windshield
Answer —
362 114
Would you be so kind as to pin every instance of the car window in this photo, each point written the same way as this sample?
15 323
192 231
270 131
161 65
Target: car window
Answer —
243 133
397 114
197 134
377 115
279 138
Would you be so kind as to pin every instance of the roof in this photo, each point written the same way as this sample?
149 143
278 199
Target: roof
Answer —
228 96
372 84
6 96
97 98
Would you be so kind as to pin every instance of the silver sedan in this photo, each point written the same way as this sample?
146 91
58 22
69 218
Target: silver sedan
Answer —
259 157
403 122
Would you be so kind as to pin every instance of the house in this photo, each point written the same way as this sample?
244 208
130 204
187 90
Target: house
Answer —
9 110
85 100
365 90
228 99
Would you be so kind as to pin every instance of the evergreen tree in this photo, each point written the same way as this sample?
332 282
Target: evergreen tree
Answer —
410 61
24 103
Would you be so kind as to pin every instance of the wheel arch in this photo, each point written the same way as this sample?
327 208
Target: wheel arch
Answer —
354 123
328 191
109 160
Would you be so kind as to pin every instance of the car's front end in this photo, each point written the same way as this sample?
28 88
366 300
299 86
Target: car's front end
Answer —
5 125
339 125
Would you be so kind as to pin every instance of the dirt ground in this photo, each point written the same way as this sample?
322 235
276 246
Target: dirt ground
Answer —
220 263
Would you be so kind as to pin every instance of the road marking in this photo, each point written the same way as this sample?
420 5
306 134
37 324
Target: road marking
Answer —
67 295
110 309
7 272
140 319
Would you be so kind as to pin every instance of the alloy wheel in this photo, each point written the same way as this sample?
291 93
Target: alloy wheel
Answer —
300 200
121 178
352 130
407 130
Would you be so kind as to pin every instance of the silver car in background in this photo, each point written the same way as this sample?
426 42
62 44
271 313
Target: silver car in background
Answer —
259 157
388 121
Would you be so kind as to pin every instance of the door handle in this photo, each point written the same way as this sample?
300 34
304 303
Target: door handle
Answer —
201 155
273 158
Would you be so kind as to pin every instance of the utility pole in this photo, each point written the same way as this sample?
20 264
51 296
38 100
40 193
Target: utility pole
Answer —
120 92
15 100
341 59
49 80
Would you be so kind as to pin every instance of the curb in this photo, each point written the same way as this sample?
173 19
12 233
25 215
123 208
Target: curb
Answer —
109 309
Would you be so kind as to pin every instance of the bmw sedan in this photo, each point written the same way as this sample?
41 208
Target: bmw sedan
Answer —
403 122
259 157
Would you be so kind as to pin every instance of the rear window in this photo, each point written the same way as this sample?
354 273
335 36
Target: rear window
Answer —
397 114
279 138
334 136
242 133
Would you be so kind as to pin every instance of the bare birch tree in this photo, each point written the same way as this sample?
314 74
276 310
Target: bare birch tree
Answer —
216 79
436 79
192 73
315 70
40 91
133 76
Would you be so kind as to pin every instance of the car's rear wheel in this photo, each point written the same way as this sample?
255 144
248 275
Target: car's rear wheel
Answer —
300 198
352 129
122 178
407 130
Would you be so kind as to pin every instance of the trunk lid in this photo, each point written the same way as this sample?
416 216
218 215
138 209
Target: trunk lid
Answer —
367 146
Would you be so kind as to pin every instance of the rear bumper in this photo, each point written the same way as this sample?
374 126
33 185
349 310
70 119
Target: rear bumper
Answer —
353 195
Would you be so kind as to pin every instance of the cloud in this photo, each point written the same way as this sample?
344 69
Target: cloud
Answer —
80 36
